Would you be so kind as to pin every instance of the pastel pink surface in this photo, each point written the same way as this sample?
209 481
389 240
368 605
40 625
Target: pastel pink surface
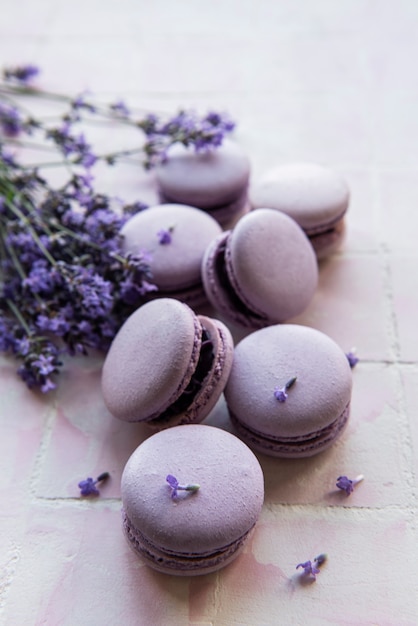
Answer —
195 526
321 81
319 399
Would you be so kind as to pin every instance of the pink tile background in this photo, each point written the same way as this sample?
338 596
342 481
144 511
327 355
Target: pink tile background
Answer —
332 82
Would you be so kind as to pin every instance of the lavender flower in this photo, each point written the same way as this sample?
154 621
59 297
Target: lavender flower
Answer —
165 236
311 568
175 486
347 485
88 486
22 73
280 393
120 108
11 122
352 358
67 286
80 102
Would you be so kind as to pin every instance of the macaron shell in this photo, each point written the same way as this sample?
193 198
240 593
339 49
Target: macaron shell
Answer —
219 296
313 195
151 360
214 383
224 509
271 264
292 448
175 265
206 178
267 359
190 565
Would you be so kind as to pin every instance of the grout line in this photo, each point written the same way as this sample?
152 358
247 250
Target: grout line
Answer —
333 510
49 423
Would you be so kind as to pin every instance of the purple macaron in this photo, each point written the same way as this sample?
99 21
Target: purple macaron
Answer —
175 237
316 197
214 180
263 271
289 391
191 496
166 365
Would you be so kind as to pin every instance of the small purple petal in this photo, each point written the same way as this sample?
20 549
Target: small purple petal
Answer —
280 394
164 237
88 487
172 481
352 359
345 484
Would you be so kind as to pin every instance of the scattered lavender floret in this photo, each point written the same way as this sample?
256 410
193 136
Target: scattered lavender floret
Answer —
175 486
346 484
352 358
164 236
281 393
311 568
88 486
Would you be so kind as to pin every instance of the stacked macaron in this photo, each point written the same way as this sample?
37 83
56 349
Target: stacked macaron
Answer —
315 196
191 496
289 390
175 238
213 180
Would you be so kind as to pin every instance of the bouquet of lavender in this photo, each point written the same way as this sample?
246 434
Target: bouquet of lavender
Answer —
65 285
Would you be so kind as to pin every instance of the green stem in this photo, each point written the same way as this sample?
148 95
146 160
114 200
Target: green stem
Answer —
32 231
14 258
26 90
29 144
58 229
100 157
18 316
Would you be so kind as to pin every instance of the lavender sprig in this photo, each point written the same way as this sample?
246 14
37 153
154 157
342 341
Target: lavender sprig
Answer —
66 285
158 132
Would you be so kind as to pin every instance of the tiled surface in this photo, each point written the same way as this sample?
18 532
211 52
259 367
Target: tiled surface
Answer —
327 81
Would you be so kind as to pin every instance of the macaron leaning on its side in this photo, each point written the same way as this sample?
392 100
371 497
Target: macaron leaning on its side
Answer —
191 495
289 391
175 237
215 180
166 365
261 272
316 197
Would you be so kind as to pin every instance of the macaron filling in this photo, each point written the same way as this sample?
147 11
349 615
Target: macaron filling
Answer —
228 289
202 370
309 443
177 561
323 228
